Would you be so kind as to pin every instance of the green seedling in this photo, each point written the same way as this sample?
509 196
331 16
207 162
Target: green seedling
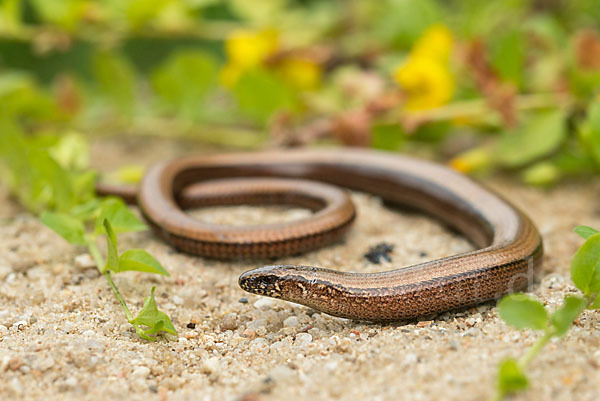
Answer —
73 230
524 312
63 193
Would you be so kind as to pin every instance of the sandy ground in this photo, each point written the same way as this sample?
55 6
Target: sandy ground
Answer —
64 336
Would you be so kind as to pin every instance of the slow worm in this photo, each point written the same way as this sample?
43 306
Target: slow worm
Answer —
510 247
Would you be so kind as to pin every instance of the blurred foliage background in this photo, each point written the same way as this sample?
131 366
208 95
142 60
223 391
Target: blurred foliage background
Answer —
507 85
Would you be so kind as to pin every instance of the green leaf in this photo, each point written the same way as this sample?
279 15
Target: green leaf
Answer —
387 136
184 80
112 258
596 303
83 186
402 22
66 14
37 180
10 15
22 98
589 131
585 266
32 174
574 161
154 319
563 318
258 13
141 261
585 231
131 174
116 80
523 312
121 218
508 55
165 324
66 226
140 332
260 94
541 174
583 82
51 183
510 377
71 151
87 210
141 13
13 154
538 137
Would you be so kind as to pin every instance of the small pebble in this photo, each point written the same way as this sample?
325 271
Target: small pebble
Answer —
282 373
280 344
177 300
20 325
15 363
264 303
141 372
67 327
94 346
16 386
303 338
229 322
256 324
211 365
4 271
331 365
45 364
291 321
84 261
71 382
138 385
411 358
258 343
243 300
248 333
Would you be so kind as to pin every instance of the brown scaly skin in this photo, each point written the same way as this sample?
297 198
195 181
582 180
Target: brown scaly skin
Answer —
510 245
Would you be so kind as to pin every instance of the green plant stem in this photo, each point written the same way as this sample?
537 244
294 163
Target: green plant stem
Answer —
477 108
118 295
535 349
527 358
91 244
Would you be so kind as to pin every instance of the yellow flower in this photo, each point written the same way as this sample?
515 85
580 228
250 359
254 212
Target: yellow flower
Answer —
246 49
426 82
472 160
425 76
436 42
230 74
301 73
